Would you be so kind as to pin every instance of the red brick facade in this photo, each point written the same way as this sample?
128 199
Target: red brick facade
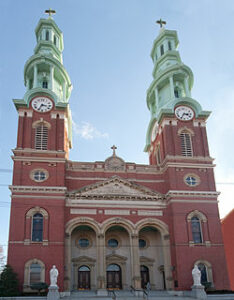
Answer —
228 233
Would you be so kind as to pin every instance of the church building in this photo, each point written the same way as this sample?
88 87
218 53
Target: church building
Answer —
113 224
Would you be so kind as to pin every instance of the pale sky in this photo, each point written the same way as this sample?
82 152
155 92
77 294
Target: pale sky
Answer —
107 45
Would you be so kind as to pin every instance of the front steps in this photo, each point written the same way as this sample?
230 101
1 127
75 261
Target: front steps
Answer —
152 295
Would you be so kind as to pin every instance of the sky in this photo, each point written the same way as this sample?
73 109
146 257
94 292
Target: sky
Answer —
107 45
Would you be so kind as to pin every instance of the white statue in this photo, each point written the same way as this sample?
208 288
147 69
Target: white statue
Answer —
53 276
196 276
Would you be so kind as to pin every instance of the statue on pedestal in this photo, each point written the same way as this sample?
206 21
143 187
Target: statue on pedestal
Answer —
53 276
196 276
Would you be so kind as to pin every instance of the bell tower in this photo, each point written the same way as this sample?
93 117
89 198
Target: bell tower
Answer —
43 143
175 115
44 114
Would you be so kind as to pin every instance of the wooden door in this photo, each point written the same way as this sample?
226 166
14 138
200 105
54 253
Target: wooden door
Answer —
114 280
83 280
144 276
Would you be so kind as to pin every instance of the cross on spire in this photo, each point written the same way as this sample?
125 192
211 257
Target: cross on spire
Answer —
114 148
161 22
50 12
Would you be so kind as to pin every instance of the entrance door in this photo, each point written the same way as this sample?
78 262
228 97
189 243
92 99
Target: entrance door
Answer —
83 278
114 280
144 276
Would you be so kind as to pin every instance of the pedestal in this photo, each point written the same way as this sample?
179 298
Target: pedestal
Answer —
198 292
53 293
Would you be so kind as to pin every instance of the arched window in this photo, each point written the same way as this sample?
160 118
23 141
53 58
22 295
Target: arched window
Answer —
186 144
41 137
37 228
47 35
45 84
204 277
113 267
169 45
35 273
196 230
177 92
55 40
162 49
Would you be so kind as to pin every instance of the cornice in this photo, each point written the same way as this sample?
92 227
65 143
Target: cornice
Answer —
37 189
179 193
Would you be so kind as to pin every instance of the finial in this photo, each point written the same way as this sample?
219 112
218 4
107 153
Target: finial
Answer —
114 148
161 22
50 12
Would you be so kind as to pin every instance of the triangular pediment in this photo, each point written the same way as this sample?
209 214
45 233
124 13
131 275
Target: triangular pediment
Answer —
115 258
117 187
83 259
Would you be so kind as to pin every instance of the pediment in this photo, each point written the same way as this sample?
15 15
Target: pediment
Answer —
117 187
144 259
115 258
84 259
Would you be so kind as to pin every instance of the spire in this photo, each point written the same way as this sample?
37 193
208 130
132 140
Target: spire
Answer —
44 71
172 79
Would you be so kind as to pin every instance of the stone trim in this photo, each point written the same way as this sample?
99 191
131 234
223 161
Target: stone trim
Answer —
179 193
26 287
36 189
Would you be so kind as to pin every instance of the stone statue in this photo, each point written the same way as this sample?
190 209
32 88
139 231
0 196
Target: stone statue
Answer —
53 276
196 276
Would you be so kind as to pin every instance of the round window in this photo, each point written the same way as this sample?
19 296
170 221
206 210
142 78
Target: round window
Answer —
83 243
113 243
142 243
39 176
191 180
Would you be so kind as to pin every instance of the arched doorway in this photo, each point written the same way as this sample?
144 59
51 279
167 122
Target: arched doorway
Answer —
83 278
114 278
144 276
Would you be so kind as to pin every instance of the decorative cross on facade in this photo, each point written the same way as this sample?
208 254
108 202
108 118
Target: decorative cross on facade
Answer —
113 148
161 22
50 12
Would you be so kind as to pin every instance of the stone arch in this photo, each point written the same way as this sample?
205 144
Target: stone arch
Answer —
72 224
32 211
165 239
158 224
27 272
208 269
126 224
196 213
38 122
185 129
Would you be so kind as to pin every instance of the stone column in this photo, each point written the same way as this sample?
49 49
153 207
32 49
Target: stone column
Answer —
135 261
156 98
101 262
67 269
167 262
186 86
27 83
171 87
34 76
64 91
52 78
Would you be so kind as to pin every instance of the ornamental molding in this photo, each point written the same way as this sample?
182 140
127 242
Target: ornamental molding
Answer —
174 193
115 188
37 189
115 163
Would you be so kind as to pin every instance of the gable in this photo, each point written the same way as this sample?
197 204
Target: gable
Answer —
116 187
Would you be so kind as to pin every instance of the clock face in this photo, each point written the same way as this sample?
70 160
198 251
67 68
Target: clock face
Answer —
42 104
184 113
